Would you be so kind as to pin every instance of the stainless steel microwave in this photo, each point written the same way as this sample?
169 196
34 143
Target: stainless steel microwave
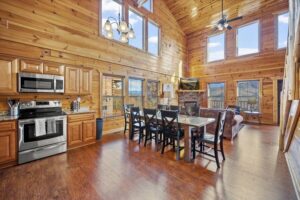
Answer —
29 82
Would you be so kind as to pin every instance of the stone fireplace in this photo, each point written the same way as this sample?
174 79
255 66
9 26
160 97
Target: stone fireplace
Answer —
188 99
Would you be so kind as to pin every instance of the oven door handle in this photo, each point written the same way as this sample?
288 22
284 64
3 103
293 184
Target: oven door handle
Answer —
48 147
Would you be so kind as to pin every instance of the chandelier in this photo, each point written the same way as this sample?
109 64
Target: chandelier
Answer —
125 31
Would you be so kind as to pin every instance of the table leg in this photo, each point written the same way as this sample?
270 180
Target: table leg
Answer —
187 143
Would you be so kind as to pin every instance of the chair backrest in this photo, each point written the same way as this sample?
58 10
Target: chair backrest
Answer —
150 117
191 108
135 115
174 108
236 109
126 109
170 122
220 125
162 107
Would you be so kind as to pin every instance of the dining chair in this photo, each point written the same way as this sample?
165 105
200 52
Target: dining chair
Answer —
162 107
172 131
137 125
214 140
174 108
126 109
153 128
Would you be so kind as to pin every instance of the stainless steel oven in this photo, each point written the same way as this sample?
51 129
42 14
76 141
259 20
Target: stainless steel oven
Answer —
29 82
42 130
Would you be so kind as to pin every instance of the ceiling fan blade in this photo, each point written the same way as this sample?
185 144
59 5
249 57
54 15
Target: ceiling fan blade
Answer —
229 27
236 18
211 25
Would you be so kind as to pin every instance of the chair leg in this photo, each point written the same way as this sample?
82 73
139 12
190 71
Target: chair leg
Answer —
156 141
140 135
222 149
177 149
163 147
194 147
125 128
216 155
146 138
173 141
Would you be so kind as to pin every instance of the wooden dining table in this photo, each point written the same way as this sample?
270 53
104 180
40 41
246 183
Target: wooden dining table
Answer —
188 123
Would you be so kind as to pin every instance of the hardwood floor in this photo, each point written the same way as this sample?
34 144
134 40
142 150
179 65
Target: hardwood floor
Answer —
118 169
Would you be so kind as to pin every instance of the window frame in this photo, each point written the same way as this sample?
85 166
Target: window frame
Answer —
259 92
224 97
130 8
224 43
104 96
159 37
276 32
151 7
258 42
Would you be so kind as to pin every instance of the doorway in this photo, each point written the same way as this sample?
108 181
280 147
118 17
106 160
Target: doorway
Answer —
279 90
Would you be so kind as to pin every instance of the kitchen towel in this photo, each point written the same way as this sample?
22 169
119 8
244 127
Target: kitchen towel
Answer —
51 126
40 127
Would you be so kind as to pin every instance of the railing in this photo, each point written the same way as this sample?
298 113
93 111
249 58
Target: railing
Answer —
215 103
245 106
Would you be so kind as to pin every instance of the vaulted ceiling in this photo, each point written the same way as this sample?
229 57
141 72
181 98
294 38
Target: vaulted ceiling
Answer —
194 15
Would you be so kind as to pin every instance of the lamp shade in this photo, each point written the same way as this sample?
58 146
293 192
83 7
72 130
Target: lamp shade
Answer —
123 38
109 34
107 26
123 27
131 34
252 101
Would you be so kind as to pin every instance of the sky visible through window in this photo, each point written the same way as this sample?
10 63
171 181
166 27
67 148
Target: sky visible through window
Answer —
216 89
153 33
137 24
282 30
148 5
247 39
111 8
135 87
215 47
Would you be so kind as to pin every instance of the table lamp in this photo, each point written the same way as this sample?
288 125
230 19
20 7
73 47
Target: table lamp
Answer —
252 101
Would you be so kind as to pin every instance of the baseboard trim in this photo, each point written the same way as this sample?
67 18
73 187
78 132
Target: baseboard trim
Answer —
113 131
296 181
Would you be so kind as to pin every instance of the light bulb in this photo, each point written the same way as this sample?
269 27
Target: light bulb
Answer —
123 27
226 25
107 26
131 34
109 34
220 27
123 38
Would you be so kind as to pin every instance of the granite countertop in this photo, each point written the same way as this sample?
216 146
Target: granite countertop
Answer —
8 118
70 112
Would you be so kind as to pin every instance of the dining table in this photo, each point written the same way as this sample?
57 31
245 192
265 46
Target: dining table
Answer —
187 123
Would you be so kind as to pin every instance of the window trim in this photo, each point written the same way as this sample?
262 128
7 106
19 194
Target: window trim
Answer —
225 90
159 37
276 30
103 96
219 33
151 7
259 91
259 39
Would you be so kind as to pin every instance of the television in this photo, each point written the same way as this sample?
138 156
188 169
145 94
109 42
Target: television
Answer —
189 84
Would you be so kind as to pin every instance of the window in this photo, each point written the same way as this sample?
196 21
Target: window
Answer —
152 94
135 92
215 47
113 97
248 39
216 95
148 5
282 30
137 22
248 95
111 8
153 38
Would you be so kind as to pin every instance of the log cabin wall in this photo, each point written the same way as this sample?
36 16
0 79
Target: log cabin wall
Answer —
266 66
66 32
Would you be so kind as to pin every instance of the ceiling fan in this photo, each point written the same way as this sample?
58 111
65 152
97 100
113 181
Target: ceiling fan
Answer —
223 23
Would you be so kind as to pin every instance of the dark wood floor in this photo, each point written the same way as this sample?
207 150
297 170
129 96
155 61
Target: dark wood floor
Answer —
118 169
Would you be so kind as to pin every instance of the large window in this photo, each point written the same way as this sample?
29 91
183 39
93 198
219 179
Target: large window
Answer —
137 22
282 30
135 92
152 94
215 47
148 5
153 38
215 93
111 8
248 39
248 95
113 96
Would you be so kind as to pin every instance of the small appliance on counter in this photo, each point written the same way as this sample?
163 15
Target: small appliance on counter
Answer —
42 130
13 107
75 105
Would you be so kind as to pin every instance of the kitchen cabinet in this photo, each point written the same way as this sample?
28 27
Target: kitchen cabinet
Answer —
8 75
78 80
81 129
8 145
54 69
31 66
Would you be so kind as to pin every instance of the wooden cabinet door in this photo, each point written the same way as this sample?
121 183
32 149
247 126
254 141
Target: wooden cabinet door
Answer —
86 81
72 80
8 76
7 146
54 69
74 134
31 66
89 130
